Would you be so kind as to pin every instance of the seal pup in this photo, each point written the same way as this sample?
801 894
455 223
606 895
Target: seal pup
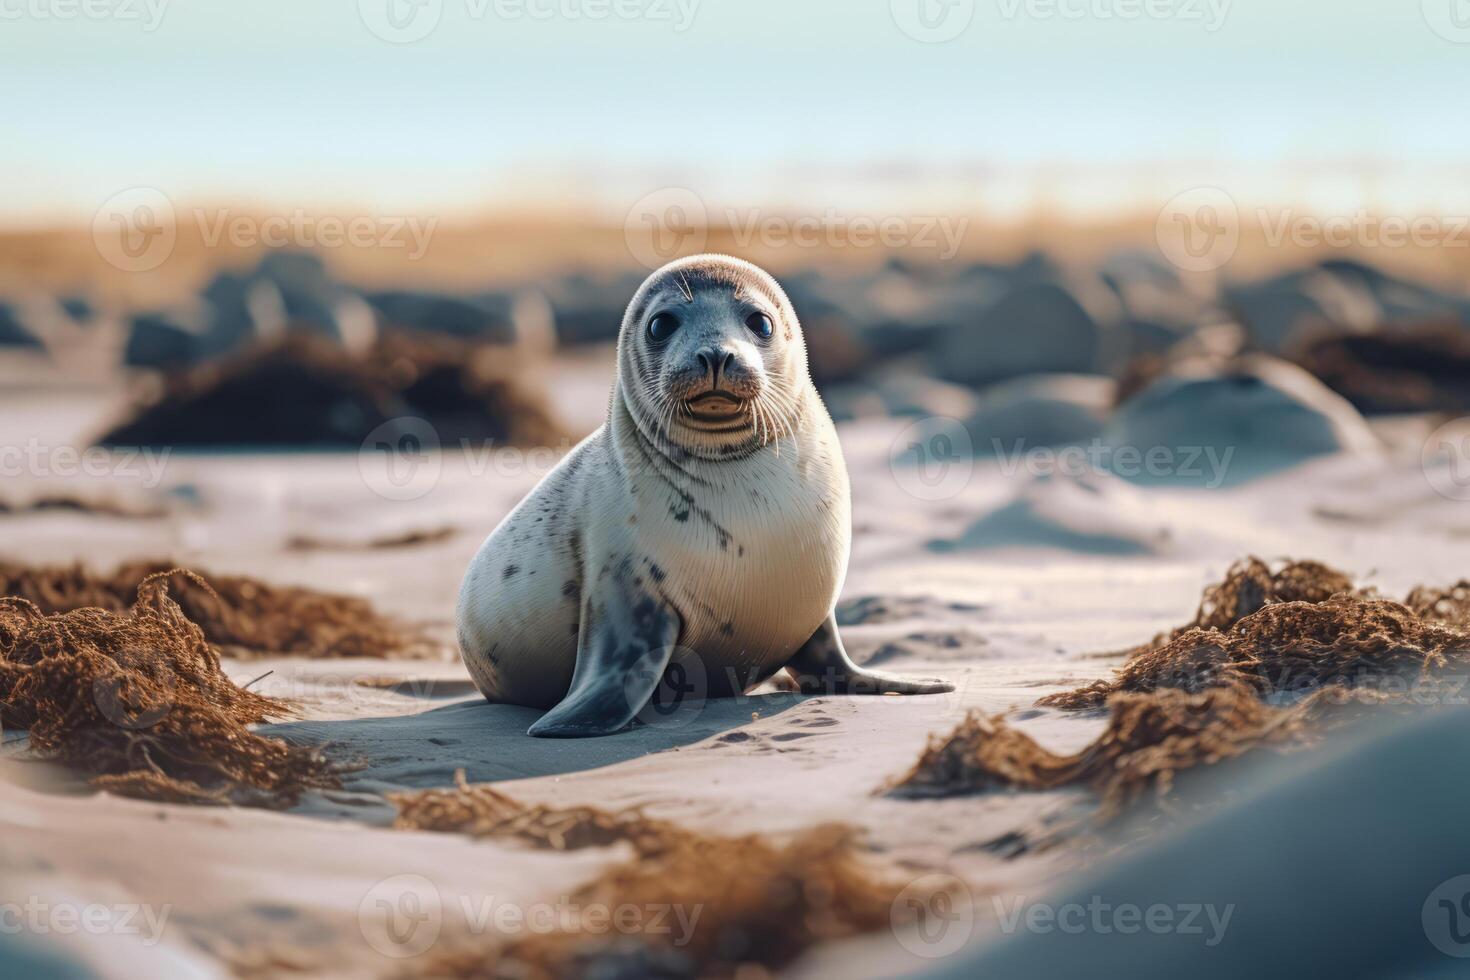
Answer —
708 517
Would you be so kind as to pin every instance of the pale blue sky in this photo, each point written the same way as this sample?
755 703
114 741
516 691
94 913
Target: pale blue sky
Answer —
293 103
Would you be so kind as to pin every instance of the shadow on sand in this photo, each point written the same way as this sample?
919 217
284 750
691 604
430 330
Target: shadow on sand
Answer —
489 741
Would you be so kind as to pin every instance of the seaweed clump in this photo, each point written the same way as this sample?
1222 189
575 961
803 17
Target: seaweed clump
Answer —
742 902
304 391
1149 738
1272 660
1290 632
1419 368
482 811
137 700
245 617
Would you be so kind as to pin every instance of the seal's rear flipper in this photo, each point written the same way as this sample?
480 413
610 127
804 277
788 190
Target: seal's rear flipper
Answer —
822 666
626 639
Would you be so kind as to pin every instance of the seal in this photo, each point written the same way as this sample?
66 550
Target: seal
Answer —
708 518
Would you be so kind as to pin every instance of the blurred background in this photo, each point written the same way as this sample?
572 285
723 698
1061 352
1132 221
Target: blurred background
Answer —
283 225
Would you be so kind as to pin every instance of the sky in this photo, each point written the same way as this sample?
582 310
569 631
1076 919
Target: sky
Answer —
311 103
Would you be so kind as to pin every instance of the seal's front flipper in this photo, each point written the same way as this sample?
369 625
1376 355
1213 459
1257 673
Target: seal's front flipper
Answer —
626 639
822 666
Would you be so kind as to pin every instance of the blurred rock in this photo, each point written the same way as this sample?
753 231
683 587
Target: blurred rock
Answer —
15 331
899 396
1257 416
1040 410
314 302
164 340
242 309
1398 300
589 309
1278 312
523 319
79 308
1034 329
1158 310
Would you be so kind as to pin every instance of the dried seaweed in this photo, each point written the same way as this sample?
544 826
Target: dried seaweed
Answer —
1418 368
1248 586
753 904
1296 630
1301 634
137 700
1149 738
308 391
481 811
754 899
98 506
406 539
1450 606
244 616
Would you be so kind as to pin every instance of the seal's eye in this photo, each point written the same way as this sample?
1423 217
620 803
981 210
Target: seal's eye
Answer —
662 326
760 325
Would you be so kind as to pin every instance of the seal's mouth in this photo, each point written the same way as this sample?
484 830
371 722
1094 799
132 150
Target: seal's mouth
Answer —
715 404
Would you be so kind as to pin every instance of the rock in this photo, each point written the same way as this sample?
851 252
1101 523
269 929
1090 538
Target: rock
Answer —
1040 328
900 396
242 310
1040 410
162 340
314 303
15 331
1279 312
1257 416
522 318
590 310
1399 300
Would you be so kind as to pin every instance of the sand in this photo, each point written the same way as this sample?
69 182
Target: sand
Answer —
1010 587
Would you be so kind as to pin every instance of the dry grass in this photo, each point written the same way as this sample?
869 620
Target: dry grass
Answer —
245 617
753 905
97 506
137 700
481 811
751 901
1299 629
1149 738
406 539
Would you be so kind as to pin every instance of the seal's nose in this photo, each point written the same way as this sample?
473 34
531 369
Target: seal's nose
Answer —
716 362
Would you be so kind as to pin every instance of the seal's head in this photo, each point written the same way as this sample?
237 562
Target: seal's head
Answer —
711 359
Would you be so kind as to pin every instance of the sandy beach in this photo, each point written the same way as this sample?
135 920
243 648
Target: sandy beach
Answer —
1010 587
